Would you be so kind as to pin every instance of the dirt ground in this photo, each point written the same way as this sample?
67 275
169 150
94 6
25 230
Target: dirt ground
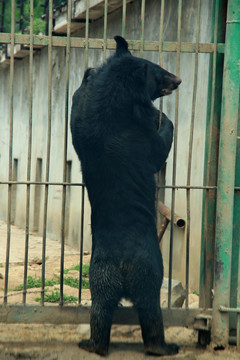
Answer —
60 342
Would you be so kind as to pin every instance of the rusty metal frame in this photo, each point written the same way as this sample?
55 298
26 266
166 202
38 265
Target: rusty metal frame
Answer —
78 42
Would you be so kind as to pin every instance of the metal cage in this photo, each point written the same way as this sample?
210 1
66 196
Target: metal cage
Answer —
219 309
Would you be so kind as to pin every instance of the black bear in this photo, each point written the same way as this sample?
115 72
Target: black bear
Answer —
114 132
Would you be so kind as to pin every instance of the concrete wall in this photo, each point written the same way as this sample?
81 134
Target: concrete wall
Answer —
40 116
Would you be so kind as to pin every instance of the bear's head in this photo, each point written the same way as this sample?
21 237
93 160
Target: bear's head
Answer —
159 82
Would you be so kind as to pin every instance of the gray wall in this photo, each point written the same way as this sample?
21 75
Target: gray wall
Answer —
40 116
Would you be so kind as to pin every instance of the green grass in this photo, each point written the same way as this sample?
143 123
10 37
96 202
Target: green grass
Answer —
55 297
68 280
74 282
36 283
1 266
195 293
85 269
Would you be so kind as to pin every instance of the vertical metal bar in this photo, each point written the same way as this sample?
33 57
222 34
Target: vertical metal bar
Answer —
235 266
50 27
161 32
211 157
160 176
226 175
124 11
68 47
191 148
142 27
29 154
174 153
10 153
238 303
86 34
105 29
81 245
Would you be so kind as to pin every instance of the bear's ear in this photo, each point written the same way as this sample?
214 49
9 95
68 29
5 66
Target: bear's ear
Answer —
122 46
88 72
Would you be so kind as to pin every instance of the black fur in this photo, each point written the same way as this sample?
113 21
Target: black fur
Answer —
114 132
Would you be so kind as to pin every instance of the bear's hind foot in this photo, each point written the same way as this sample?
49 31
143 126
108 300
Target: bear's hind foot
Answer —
88 346
160 350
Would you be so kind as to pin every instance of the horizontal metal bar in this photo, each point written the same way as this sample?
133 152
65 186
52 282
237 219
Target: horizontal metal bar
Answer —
77 42
228 309
81 184
81 315
187 187
237 188
39 183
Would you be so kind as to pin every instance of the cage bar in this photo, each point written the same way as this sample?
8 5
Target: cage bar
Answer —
81 245
10 153
211 158
63 213
142 27
226 176
49 130
174 154
124 11
94 43
105 29
86 35
191 147
238 303
29 154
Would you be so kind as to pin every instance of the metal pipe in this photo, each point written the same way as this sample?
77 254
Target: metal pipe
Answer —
163 228
166 212
226 176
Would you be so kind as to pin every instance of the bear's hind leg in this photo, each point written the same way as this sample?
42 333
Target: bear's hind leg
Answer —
101 322
151 322
106 285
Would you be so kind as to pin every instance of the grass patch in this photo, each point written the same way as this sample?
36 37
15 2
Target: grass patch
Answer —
1 266
36 283
74 282
68 280
195 293
55 297
85 269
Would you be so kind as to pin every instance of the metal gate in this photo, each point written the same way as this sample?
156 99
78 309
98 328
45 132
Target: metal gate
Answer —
219 310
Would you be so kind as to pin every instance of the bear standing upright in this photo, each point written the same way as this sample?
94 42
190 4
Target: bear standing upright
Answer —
114 132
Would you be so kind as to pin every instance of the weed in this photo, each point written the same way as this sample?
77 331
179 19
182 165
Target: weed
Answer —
85 269
36 283
74 282
55 297
195 293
